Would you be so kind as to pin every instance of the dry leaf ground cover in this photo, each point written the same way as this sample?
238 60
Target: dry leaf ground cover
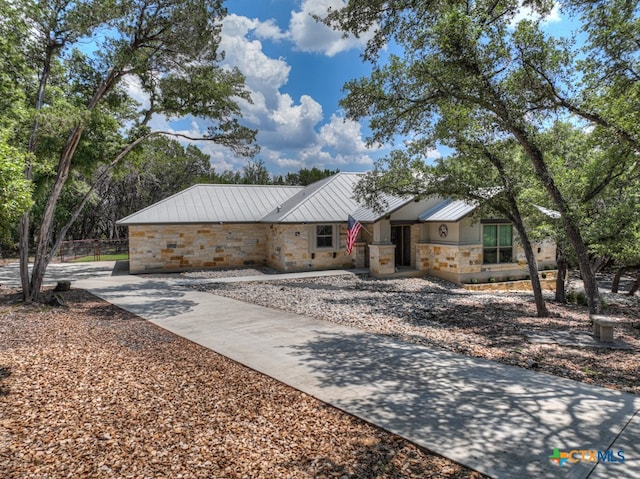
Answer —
90 391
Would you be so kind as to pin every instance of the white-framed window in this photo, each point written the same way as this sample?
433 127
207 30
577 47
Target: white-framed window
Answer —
324 236
497 243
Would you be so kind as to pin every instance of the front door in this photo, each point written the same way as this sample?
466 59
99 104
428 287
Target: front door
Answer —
401 237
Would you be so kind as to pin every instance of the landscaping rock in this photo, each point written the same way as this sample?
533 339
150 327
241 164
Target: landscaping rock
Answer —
439 314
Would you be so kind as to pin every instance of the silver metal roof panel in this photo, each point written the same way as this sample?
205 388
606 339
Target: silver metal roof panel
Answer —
448 211
213 204
327 201
390 204
548 212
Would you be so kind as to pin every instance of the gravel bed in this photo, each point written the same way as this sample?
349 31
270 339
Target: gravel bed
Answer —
482 324
217 273
91 391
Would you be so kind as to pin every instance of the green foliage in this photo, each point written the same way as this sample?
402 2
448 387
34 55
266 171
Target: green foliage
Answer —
85 56
255 173
304 176
470 73
576 297
159 168
15 191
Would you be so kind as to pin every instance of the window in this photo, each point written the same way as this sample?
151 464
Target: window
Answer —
497 243
324 236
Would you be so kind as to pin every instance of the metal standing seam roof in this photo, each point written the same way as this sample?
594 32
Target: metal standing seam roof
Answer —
327 201
390 203
548 212
448 211
212 203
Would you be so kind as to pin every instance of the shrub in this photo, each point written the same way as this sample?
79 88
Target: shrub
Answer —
581 298
543 275
492 279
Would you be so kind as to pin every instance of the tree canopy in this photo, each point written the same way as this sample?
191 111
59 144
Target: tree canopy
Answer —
472 72
92 61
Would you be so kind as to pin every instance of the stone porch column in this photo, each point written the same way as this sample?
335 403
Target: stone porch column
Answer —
382 259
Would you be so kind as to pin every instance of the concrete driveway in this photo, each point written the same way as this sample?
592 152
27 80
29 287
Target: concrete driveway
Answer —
504 421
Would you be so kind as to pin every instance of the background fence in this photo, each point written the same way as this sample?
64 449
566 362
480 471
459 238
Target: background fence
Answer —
94 250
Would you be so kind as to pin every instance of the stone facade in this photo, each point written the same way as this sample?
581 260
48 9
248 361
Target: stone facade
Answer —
292 247
460 263
184 247
286 247
547 284
382 259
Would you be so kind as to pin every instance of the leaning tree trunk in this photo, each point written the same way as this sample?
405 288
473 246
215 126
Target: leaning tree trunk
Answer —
569 222
25 222
44 252
562 261
532 263
615 285
635 287
513 213
45 243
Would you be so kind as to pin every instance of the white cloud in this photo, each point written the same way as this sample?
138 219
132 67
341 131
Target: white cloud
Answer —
343 135
270 30
527 13
308 35
133 87
291 132
434 154
262 73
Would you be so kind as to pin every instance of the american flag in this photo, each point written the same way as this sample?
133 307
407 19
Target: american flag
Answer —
353 228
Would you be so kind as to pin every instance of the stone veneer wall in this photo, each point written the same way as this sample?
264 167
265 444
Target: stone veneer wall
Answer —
416 230
184 247
290 247
460 263
382 260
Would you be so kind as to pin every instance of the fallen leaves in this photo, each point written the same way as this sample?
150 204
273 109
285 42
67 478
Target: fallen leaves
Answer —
92 391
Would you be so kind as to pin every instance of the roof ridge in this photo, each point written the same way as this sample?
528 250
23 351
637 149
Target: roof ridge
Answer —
324 182
244 185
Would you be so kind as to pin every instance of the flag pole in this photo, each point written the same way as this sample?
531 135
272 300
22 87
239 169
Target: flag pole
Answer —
362 226
370 233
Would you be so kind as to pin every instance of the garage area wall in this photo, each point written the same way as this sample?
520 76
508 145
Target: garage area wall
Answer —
171 248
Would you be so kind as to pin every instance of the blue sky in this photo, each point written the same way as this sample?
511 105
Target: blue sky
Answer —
295 69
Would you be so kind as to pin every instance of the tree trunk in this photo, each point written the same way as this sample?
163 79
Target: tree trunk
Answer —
23 246
570 224
25 223
615 285
44 252
562 261
45 249
635 286
532 263
513 213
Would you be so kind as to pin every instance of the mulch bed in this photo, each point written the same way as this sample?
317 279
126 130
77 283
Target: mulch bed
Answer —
89 390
